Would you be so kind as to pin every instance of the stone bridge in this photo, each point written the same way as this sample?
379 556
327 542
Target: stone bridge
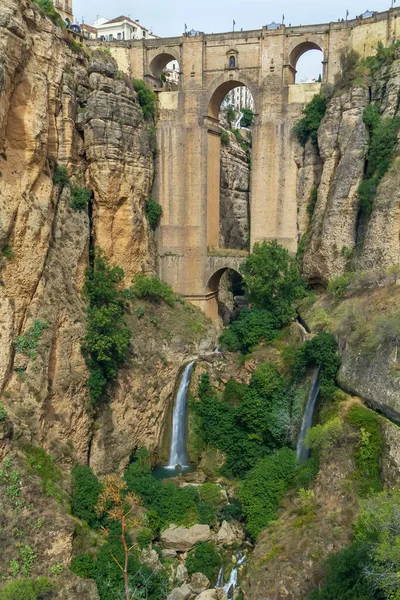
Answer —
187 181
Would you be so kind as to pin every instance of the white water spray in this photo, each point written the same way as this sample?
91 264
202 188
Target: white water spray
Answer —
302 451
177 454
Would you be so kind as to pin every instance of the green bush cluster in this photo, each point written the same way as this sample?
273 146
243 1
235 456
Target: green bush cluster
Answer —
353 70
324 437
338 285
204 558
383 140
383 57
369 450
49 10
250 427
248 117
3 413
106 344
27 589
7 252
312 203
27 343
153 213
60 176
86 489
251 328
153 289
146 97
321 350
102 567
369 568
80 198
44 466
225 139
308 126
166 503
264 487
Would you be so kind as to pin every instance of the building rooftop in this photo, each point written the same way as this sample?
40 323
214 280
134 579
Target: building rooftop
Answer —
120 19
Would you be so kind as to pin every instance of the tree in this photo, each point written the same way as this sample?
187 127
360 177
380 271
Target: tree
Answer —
248 117
272 280
120 507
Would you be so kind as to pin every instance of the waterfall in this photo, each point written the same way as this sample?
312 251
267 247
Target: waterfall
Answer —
177 453
302 452
232 583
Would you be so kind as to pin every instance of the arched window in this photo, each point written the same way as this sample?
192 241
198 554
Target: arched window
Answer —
232 62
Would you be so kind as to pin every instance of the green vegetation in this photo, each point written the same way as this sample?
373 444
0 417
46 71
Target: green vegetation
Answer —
383 140
103 568
225 139
27 556
49 10
338 285
3 413
383 57
251 328
248 118
324 437
307 127
153 213
369 449
211 494
249 421
106 344
153 289
230 114
43 465
166 503
80 198
272 280
321 350
265 485
26 589
146 97
204 558
61 176
7 252
86 489
352 70
313 202
11 478
27 343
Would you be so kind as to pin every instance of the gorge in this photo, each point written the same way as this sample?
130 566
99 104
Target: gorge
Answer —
140 229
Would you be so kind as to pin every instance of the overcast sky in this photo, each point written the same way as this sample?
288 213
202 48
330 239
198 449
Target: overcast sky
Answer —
168 17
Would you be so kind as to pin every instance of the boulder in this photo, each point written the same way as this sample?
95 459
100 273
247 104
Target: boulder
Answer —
183 539
229 533
168 553
198 583
181 573
180 593
149 558
212 595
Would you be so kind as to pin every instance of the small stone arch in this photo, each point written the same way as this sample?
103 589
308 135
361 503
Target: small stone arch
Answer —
159 61
224 84
298 51
214 308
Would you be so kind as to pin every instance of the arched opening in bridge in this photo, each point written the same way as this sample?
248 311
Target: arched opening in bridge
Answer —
226 295
307 62
164 73
229 168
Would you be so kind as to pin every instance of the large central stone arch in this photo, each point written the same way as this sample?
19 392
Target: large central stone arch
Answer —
187 169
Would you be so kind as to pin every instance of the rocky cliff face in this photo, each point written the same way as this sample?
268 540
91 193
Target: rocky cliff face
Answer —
234 197
336 230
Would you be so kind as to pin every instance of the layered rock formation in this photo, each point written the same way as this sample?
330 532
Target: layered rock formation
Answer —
234 196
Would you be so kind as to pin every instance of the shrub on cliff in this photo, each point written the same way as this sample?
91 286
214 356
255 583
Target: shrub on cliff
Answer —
308 126
80 198
47 7
153 289
85 492
265 485
153 213
106 344
225 139
272 280
26 589
146 97
322 351
251 328
204 558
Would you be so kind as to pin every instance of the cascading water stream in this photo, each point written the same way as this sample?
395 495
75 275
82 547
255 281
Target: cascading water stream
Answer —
177 454
303 452
232 583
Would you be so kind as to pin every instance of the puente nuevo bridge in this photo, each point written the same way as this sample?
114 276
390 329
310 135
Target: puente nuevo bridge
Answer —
188 163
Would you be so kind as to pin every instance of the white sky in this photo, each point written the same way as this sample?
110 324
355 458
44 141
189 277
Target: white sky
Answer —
168 17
